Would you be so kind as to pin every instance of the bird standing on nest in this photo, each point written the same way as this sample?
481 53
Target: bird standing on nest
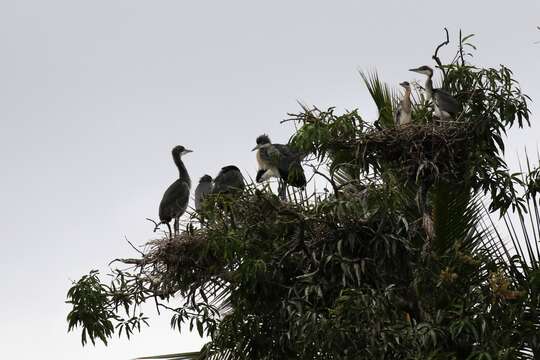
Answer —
228 181
445 106
228 184
404 109
176 198
279 161
203 189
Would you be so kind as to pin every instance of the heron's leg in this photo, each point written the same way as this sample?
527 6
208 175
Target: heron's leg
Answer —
302 194
176 226
260 174
170 231
282 190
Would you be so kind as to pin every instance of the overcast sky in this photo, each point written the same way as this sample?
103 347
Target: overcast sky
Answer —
94 94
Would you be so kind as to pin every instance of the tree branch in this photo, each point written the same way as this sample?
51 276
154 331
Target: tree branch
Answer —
436 54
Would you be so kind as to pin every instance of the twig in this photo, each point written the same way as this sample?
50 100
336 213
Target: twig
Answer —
129 261
156 225
334 186
461 49
156 302
287 120
133 246
436 54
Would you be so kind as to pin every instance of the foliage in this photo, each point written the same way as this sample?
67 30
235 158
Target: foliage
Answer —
395 262
88 297
96 306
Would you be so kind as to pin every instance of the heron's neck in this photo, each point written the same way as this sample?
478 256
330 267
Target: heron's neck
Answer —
407 100
183 174
429 87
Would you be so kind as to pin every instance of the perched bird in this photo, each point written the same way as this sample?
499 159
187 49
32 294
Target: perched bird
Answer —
176 197
445 105
203 189
403 111
280 161
228 181
228 184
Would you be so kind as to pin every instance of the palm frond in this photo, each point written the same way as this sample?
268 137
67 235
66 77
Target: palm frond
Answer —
454 215
196 355
383 97
204 354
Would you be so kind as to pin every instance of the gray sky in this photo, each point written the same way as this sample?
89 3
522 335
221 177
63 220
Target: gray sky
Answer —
94 94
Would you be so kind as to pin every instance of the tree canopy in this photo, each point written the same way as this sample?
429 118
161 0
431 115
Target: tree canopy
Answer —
396 259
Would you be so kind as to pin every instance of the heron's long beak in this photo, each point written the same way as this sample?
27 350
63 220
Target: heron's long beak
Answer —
256 148
186 151
415 70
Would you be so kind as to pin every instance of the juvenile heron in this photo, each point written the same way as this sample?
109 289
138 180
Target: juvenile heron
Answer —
175 199
403 111
280 161
203 189
228 184
445 105
228 181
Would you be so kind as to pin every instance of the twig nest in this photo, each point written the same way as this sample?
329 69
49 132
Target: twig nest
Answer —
435 151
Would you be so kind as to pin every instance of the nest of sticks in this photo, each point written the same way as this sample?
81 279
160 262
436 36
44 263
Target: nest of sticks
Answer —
428 151
167 265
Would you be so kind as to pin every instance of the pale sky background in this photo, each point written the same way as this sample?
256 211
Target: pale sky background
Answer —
94 94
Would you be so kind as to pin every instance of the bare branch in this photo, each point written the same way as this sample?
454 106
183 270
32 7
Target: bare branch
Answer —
156 224
133 246
436 54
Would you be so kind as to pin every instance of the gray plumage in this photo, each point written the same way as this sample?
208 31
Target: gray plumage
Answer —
228 181
280 161
203 189
176 198
447 105
444 104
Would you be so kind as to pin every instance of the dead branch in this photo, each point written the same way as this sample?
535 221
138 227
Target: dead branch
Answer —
436 54
156 224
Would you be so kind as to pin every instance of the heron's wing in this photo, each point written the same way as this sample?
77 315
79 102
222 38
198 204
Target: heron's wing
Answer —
397 114
287 156
227 181
447 102
295 175
288 151
175 200
270 155
260 174
289 166
287 161
201 191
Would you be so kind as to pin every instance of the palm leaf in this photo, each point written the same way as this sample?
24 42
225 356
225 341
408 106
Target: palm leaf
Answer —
180 356
519 254
195 355
383 97
454 215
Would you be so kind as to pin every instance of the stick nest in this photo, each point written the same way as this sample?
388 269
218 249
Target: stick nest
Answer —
431 151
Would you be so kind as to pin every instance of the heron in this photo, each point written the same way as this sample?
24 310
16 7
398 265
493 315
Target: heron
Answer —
203 189
176 198
403 111
228 184
445 105
228 181
279 161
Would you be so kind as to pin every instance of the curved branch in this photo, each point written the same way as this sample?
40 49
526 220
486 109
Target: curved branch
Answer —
436 54
331 181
